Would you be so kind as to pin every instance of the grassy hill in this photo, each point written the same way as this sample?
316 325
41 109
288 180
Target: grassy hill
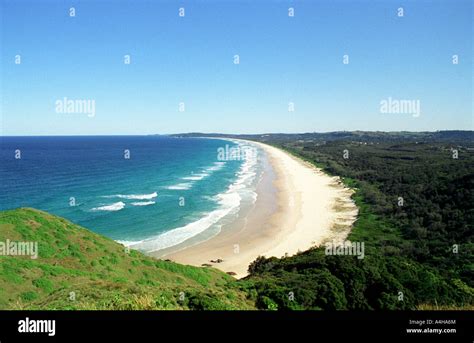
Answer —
78 269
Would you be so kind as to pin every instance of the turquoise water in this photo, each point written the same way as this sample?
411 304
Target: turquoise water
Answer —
148 192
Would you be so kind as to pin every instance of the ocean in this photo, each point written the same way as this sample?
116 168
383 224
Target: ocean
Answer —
147 192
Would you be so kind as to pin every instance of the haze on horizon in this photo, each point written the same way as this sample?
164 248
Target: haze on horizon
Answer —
183 76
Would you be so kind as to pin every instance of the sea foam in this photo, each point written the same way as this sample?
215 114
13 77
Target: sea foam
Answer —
181 186
143 203
134 196
196 177
112 207
228 201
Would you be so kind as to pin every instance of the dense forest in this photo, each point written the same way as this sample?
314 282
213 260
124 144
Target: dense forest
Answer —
415 193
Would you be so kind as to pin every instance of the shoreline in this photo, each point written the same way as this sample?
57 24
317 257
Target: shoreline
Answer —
298 207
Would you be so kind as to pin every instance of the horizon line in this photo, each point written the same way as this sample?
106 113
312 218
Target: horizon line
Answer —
232 134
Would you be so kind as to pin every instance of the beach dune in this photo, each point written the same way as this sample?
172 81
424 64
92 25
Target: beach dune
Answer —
305 208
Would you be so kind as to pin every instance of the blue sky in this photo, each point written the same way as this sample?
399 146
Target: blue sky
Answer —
190 59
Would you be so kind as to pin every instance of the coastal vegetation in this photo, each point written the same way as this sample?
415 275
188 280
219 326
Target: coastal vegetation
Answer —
415 193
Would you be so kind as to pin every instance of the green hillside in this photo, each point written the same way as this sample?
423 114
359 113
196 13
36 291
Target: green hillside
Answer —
78 269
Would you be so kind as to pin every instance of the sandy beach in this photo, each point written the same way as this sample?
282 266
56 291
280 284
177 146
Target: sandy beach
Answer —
298 207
